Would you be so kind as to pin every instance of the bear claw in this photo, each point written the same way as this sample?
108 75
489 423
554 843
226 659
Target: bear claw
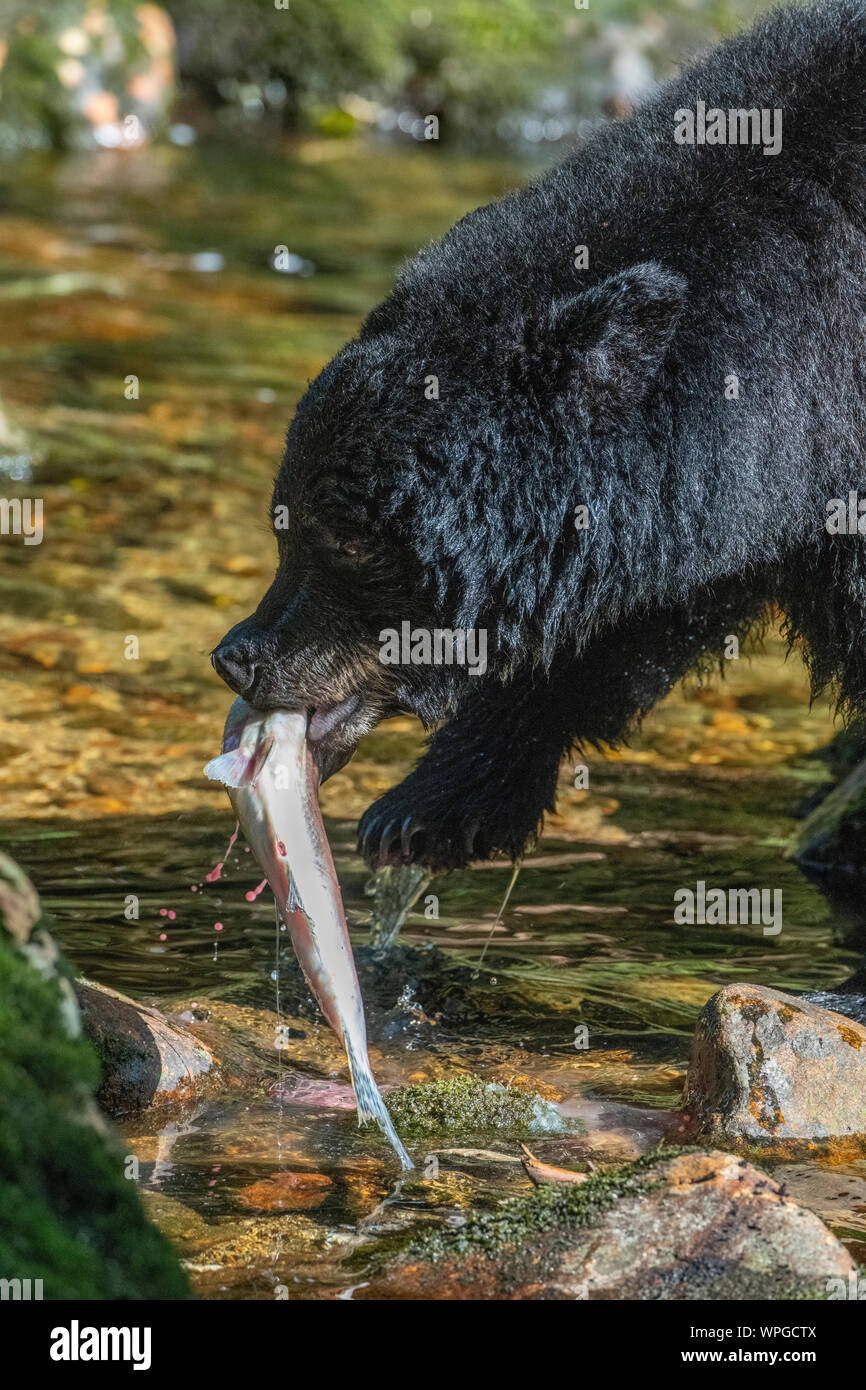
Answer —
410 829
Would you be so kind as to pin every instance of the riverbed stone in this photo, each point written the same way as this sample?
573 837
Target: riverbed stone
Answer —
769 1068
146 1060
675 1225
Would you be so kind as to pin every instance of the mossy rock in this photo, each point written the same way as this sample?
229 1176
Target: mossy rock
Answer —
68 1216
548 1207
678 1224
469 1105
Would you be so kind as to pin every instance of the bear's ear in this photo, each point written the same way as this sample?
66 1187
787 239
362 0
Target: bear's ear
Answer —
602 349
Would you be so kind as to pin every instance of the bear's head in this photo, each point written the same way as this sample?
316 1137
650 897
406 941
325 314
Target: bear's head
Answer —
429 478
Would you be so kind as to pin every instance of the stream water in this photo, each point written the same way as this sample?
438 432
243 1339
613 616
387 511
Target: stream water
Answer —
158 267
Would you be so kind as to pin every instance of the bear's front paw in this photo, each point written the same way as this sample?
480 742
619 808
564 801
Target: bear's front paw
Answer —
406 827
391 833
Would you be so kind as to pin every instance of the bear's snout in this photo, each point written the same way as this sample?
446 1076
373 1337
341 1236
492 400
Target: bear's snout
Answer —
234 667
236 658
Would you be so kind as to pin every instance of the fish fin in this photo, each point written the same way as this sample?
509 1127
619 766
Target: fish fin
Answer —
238 768
370 1103
232 769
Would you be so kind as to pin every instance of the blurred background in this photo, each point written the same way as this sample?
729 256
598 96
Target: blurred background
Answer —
517 73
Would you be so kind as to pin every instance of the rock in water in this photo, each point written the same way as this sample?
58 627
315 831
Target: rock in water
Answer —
146 1060
674 1225
768 1068
834 835
468 1104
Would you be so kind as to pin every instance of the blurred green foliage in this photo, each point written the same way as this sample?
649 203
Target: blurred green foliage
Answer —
474 56
483 67
471 62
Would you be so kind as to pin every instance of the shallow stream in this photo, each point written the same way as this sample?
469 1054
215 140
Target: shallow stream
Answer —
158 266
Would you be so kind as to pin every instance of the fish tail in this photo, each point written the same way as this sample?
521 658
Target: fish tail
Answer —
370 1103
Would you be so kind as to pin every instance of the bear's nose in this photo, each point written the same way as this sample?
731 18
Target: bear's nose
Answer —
235 666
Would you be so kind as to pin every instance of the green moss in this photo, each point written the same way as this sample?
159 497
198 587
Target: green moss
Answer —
548 1208
519 1222
470 1105
68 1216
518 1228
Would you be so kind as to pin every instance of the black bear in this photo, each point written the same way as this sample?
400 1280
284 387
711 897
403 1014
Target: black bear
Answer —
607 421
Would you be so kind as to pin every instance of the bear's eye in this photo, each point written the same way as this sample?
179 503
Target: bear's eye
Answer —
351 550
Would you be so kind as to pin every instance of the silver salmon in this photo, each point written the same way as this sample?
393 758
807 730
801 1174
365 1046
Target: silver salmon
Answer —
273 784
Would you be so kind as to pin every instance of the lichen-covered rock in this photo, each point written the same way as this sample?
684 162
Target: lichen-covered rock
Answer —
768 1068
673 1225
19 902
145 1059
470 1105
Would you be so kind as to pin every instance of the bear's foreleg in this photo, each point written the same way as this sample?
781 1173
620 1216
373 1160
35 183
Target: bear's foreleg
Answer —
490 773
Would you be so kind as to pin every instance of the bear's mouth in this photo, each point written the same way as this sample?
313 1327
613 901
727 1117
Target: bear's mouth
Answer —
326 719
335 730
